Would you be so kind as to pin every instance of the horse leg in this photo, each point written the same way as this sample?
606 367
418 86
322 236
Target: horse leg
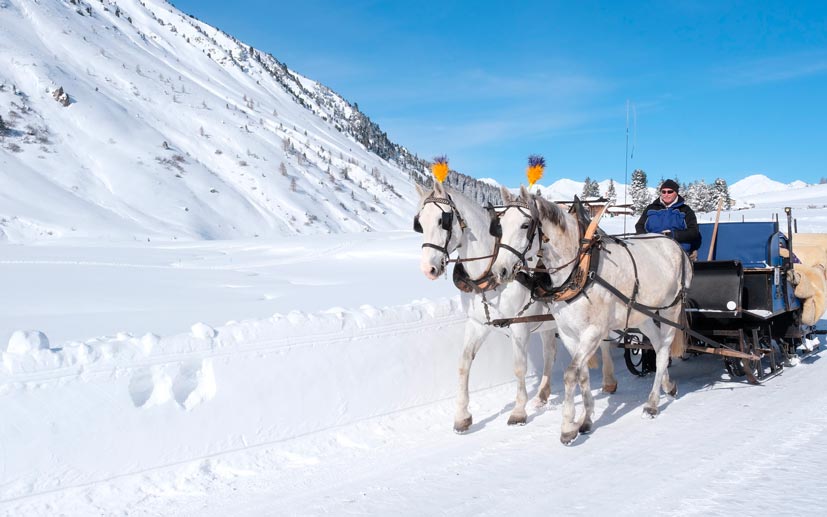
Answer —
588 402
609 381
661 339
569 428
677 347
519 344
583 347
475 333
549 340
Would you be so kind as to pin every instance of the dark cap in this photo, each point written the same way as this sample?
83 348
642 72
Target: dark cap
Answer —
670 184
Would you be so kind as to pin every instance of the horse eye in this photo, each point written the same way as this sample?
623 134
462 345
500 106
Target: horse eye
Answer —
524 226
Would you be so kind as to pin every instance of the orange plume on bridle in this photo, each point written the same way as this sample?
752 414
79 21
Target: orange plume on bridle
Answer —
536 167
440 168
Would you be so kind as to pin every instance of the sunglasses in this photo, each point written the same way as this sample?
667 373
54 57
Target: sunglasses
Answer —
667 191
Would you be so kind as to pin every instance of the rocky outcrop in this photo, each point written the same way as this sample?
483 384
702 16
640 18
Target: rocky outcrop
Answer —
61 96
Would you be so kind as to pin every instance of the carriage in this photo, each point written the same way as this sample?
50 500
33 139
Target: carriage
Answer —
531 261
741 303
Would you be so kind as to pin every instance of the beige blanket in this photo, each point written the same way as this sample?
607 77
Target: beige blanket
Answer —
811 274
812 290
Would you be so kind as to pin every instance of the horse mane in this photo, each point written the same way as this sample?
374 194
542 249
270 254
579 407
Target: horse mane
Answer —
550 211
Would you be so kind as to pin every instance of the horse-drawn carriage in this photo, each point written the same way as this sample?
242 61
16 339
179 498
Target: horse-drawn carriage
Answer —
531 261
741 303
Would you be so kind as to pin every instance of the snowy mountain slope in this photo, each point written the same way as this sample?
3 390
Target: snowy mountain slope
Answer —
168 128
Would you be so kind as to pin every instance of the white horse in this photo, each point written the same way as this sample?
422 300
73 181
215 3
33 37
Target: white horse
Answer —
451 222
657 264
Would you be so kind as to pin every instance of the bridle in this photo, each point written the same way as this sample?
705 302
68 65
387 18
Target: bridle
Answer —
533 229
584 263
484 282
446 222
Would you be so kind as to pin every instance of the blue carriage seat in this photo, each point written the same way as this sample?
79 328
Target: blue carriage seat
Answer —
754 243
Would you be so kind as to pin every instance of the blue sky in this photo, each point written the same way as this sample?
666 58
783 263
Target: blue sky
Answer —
719 89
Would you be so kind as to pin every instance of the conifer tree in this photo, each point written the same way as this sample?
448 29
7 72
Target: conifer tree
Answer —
689 192
587 188
611 194
594 189
721 191
640 192
700 197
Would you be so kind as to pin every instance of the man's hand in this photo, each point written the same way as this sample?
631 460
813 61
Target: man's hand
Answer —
667 232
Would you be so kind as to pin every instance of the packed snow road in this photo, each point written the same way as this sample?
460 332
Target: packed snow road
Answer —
718 443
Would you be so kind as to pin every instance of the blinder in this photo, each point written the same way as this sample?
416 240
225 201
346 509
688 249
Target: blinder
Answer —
446 220
495 228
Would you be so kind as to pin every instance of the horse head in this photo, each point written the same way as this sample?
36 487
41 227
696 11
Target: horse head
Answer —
441 226
517 227
527 223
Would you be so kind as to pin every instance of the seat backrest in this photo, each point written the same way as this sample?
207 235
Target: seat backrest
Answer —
749 242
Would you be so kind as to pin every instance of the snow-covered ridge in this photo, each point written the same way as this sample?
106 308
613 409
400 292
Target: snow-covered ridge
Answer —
279 378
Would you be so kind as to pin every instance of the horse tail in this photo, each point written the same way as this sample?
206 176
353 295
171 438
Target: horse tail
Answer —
678 347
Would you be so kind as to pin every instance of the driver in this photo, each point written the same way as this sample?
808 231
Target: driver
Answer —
671 216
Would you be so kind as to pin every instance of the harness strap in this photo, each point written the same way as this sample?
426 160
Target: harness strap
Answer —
585 269
505 322
650 311
464 283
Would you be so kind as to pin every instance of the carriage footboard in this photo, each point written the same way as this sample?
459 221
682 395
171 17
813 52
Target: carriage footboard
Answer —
716 288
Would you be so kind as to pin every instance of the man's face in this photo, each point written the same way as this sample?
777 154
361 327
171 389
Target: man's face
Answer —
667 195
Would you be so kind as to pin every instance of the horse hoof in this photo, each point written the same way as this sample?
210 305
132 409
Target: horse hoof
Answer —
516 420
540 403
586 428
650 412
610 388
463 425
674 391
567 438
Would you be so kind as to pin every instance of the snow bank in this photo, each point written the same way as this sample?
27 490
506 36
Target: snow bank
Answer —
120 405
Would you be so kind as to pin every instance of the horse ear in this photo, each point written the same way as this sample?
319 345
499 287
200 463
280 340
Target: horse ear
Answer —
524 193
422 191
506 195
439 190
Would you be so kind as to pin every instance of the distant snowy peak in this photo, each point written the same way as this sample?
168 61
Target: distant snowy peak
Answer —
759 184
490 181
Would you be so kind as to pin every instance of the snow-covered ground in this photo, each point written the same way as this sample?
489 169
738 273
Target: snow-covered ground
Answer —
316 375
304 366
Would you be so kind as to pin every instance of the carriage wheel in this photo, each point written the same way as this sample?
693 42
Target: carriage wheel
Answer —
639 361
752 368
733 367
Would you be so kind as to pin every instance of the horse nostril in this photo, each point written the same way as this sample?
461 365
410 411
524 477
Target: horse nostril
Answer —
503 272
433 270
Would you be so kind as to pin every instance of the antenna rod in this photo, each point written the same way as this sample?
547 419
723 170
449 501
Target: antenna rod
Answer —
626 169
